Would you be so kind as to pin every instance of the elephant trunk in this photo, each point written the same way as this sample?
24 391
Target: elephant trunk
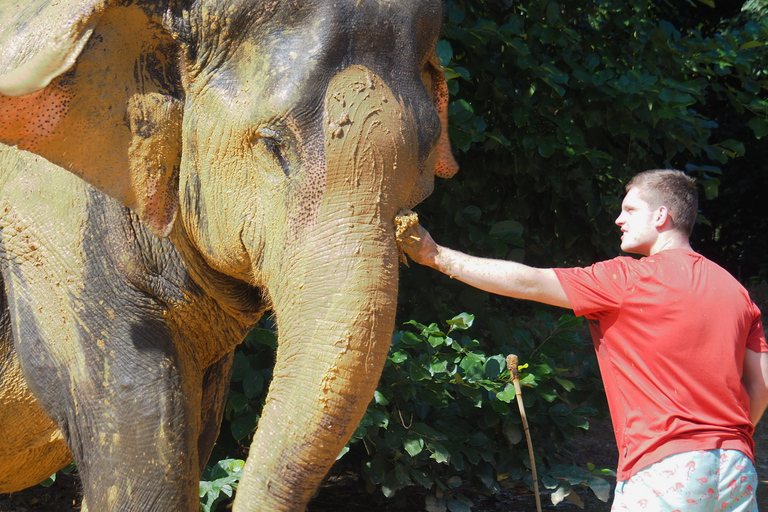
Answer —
335 333
334 296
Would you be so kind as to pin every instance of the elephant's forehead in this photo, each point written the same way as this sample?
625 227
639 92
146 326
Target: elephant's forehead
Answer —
287 59
326 34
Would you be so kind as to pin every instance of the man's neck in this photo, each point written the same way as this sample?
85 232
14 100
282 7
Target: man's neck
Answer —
673 240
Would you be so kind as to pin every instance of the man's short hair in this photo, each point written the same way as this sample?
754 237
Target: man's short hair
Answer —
673 189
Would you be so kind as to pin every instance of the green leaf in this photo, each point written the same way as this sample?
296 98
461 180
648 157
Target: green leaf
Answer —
569 321
48 481
508 394
749 44
444 52
410 339
549 483
506 228
394 437
421 478
591 60
578 422
461 322
236 401
759 126
219 481
454 482
417 373
240 366
399 356
711 187
438 367
439 452
560 409
473 366
494 366
426 431
413 445
512 433
69 468
378 418
600 487
459 138
563 489
376 469
548 394
520 114
460 111
253 384
528 379
586 411
735 146
567 385
244 425
500 139
546 149
264 337
437 341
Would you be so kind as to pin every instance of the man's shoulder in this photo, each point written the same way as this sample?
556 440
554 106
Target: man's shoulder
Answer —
701 268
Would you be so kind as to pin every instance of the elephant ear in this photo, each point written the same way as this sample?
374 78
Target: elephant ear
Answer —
93 87
446 165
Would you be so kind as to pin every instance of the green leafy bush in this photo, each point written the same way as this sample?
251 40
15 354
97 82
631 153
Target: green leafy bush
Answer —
219 482
444 415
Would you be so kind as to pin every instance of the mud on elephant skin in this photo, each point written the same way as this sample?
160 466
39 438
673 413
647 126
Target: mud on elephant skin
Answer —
169 171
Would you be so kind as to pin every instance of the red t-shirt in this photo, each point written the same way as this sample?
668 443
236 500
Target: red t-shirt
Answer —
670 332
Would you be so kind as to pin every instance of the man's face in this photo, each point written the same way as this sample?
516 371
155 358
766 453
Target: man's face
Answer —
638 230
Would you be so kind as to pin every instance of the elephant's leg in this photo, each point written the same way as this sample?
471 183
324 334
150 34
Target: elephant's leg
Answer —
92 299
132 423
215 389
32 446
104 366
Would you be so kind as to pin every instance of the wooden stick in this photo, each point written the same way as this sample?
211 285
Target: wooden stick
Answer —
512 367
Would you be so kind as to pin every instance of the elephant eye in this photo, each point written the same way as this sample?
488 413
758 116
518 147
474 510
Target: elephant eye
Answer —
273 147
273 144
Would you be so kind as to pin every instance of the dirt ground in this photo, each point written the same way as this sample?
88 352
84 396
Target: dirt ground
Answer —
344 492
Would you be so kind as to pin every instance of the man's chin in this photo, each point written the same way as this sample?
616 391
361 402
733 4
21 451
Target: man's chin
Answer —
631 249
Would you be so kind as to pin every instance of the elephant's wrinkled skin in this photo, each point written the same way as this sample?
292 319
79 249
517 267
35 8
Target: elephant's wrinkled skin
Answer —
169 171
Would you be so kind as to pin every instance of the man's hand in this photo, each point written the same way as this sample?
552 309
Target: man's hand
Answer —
414 240
418 244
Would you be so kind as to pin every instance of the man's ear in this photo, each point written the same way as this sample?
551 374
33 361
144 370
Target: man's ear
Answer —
662 219
92 86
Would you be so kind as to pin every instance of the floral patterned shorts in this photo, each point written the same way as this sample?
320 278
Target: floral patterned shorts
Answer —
699 481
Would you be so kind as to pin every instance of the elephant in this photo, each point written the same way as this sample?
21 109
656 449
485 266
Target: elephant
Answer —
172 170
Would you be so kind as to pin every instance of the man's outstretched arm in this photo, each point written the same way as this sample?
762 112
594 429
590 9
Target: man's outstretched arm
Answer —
501 277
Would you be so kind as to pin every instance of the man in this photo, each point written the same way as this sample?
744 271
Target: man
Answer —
680 344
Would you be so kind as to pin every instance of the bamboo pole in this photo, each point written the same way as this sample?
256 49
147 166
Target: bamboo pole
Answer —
512 367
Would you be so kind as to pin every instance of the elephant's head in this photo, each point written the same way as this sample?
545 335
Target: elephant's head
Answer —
274 142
